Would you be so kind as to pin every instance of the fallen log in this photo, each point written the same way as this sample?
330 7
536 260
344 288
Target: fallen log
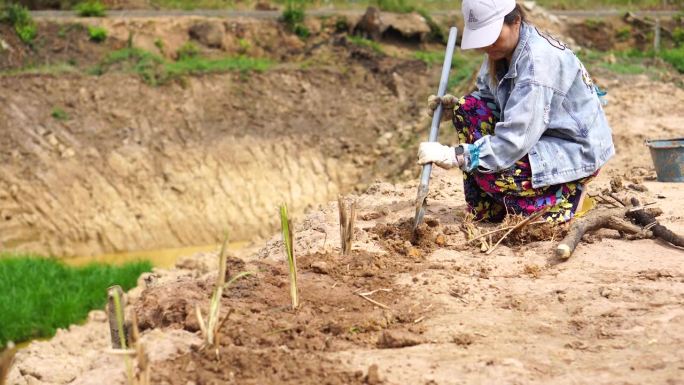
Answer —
607 219
643 218
598 219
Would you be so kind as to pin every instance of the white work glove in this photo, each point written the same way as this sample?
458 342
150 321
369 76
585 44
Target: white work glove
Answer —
448 103
439 154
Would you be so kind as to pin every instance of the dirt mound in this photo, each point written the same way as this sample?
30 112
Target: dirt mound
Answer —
346 302
239 365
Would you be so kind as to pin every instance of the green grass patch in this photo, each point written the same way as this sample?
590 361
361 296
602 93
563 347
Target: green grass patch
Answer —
362 42
625 68
154 70
463 65
411 5
200 65
40 295
398 6
49 69
634 61
293 17
97 34
594 4
149 66
19 17
90 9
59 114
678 36
462 69
675 57
187 51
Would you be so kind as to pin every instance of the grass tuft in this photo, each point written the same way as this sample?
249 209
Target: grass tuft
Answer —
41 295
154 70
362 42
463 65
97 34
200 65
675 57
187 51
293 17
397 6
59 114
90 9
19 17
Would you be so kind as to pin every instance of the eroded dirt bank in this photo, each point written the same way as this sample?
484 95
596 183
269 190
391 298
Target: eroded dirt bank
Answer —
137 167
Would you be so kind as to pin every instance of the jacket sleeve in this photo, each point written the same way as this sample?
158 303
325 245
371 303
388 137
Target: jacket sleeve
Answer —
526 116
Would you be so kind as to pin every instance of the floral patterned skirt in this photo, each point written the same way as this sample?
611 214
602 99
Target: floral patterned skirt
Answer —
491 196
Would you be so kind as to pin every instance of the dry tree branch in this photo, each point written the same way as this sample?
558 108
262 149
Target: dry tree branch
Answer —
598 219
643 218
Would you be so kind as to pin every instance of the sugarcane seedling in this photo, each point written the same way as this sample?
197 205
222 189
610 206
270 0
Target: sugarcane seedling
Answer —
211 327
347 219
142 374
117 302
286 227
6 361
114 330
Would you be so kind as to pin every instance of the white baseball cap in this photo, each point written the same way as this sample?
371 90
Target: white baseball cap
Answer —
483 21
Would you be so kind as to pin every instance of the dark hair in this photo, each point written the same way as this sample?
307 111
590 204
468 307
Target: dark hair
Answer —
517 12
513 17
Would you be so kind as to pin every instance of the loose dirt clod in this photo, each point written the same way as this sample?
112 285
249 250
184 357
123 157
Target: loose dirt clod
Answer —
397 339
398 238
373 377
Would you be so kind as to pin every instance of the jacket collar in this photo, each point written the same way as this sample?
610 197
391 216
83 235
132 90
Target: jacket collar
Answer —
525 32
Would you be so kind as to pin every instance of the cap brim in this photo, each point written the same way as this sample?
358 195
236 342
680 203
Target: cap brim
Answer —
481 37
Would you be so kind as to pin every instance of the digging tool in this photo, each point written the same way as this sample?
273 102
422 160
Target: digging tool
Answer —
421 200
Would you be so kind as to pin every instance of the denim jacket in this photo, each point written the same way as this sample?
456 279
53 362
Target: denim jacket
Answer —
550 110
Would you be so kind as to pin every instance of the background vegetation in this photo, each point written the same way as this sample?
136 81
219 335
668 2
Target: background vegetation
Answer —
40 295
417 4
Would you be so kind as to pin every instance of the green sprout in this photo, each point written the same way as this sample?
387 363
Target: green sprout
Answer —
211 327
286 227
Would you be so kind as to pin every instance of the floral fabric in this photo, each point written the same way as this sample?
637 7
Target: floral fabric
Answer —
490 196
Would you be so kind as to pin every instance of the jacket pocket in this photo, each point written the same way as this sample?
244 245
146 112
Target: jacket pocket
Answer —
583 116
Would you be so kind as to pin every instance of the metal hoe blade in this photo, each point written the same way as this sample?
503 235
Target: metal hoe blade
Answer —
423 189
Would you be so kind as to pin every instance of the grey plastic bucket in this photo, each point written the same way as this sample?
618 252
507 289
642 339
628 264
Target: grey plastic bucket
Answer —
668 158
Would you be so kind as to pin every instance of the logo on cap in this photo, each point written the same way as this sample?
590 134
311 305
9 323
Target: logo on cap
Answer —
472 18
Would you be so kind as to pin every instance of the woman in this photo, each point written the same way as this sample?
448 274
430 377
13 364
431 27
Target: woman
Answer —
534 133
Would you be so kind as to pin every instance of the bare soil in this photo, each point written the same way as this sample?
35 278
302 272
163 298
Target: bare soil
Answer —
444 312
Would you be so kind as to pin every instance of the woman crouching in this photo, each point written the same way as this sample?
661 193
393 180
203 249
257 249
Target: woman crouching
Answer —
534 133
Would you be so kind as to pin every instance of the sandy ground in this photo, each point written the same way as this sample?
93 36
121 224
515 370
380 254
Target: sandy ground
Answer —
612 314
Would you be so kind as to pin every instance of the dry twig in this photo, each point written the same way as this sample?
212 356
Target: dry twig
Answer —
372 301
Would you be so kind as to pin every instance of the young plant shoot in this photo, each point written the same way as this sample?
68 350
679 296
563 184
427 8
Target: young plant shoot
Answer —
286 227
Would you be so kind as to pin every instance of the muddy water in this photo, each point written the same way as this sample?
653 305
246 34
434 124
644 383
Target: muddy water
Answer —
164 258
